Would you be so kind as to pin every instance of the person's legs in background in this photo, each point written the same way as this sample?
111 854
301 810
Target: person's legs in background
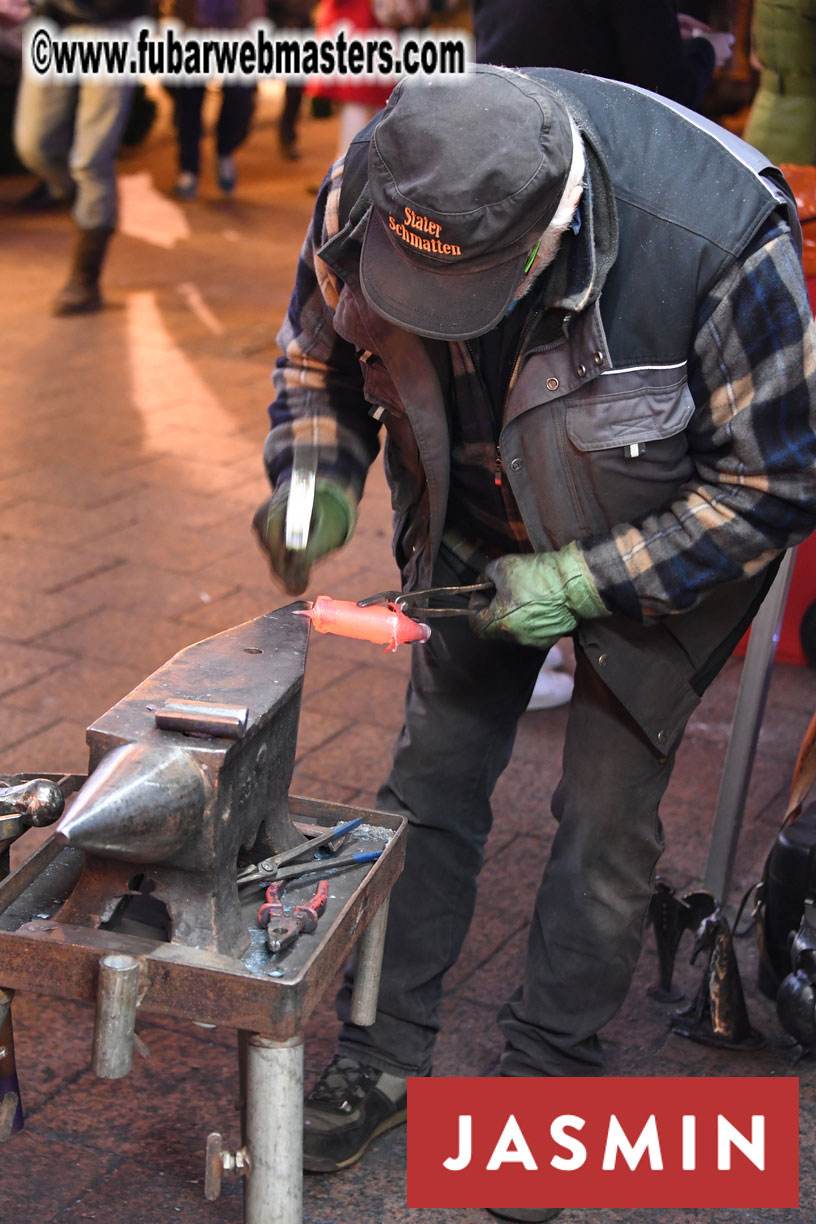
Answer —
44 133
69 135
188 103
234 123
102 112
287 124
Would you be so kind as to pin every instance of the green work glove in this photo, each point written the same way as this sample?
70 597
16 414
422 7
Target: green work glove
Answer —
539 597
334 516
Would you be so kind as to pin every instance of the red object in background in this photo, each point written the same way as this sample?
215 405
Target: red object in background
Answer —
801 594
358 16
802 591
802 182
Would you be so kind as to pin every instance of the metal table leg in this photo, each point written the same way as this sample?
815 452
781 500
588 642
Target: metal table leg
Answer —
274 1184
369 968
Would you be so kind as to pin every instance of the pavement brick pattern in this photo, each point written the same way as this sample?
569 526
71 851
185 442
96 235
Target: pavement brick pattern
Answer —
129 468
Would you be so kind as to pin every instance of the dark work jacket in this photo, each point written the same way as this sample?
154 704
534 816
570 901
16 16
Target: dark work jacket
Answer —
658 242
637 41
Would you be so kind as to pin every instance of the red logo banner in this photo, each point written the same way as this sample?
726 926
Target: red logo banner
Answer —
643 1142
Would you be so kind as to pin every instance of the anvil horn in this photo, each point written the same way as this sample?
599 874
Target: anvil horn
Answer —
142 803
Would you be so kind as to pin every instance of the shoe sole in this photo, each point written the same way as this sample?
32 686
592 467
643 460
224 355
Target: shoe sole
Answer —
317 1164
65 311
534 1215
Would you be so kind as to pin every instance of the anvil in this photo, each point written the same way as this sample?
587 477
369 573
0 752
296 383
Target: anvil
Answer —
186 772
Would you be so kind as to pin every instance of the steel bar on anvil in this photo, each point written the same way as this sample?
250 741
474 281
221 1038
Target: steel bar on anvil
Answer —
203 986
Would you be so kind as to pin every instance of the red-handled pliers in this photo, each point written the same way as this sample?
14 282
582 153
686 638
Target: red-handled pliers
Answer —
281 929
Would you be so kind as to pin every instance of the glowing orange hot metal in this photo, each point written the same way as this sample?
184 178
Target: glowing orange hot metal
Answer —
387 626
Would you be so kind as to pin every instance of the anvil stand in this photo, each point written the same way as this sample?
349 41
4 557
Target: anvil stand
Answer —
52 943
127 976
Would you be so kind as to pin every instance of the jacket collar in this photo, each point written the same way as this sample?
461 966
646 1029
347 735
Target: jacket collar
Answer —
581 267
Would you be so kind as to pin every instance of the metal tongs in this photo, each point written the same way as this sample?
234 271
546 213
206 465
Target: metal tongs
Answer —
283 866
409 599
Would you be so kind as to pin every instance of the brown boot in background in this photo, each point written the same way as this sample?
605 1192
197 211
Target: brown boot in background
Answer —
81 294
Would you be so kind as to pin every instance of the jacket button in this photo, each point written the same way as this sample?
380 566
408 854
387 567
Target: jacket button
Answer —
516 465
661 737
552 384
602 660
581 371
598 358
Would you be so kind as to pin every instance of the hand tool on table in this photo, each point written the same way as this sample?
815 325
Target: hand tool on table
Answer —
253 876
270 868
319 865
282 929
408 600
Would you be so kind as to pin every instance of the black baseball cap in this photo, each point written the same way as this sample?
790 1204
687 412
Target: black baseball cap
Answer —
465 174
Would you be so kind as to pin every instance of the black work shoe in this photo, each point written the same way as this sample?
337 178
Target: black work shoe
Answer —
348 1107
81 295
77 297
526 1215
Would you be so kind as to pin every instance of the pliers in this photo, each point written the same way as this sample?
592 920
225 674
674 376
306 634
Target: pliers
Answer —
409 599
270 868
283 930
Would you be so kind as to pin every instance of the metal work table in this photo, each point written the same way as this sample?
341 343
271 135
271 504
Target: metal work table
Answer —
267 999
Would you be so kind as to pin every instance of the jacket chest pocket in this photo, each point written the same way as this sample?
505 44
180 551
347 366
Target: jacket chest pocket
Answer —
627 436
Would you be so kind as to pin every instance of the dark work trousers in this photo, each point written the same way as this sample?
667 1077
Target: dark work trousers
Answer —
463 702
232 129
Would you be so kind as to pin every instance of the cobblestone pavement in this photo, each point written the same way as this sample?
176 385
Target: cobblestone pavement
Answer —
129 468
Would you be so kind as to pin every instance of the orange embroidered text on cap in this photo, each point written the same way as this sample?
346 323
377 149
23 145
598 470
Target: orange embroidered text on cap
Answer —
416 221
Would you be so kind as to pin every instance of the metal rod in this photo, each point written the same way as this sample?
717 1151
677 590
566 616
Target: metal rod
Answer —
117 998
369 968
274 1182
748 712
11 1108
